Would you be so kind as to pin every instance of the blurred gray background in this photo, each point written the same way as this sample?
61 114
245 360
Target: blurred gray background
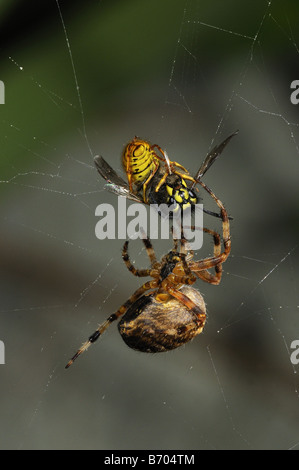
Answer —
182 74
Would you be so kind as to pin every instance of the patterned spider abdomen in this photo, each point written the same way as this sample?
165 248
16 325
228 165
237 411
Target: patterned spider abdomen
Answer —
153 326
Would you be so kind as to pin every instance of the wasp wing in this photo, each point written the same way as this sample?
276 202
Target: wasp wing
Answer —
208 161
115 184
212 156
107 172
122 191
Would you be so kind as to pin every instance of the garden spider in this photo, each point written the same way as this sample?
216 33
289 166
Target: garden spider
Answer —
173 312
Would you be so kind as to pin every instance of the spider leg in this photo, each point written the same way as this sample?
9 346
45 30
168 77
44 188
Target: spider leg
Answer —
130 266
150 252
187 278
176 278
138 293
200 315
182 240
160 150
219 258
225 221
175 240
149 249
204 274
184 253
187 270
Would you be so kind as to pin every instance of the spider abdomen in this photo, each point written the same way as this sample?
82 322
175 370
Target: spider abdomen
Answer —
153 326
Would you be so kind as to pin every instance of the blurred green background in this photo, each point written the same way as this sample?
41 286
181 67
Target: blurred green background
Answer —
83 80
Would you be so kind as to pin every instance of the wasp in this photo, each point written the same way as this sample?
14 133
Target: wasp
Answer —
154 179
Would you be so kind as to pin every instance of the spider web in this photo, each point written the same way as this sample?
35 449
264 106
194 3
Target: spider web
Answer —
184 75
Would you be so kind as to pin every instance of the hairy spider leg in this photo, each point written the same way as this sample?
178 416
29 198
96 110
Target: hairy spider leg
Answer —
121 311
151 254
204 274
200 267
183 299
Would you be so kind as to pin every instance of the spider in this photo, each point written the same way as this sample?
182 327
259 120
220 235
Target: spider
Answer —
173 312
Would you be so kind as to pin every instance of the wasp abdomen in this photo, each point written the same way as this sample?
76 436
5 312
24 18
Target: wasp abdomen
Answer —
139 161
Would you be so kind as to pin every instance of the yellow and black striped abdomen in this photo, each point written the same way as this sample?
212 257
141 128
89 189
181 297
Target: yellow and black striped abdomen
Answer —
139 161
